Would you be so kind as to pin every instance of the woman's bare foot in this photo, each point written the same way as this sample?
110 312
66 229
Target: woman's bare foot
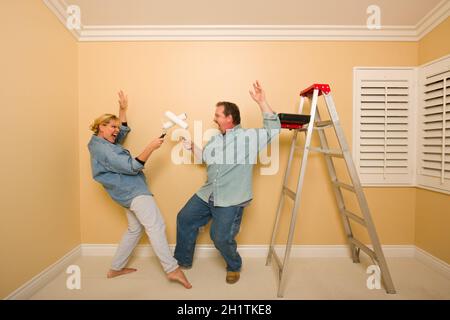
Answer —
115 273
178 275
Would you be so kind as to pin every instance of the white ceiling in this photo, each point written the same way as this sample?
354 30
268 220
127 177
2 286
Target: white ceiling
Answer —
125 20
250 12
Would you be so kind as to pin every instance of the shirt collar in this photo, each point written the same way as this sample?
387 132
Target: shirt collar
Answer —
236 127
101 140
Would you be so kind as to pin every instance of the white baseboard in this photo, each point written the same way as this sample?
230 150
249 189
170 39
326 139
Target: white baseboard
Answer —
43 278
254 251
433 262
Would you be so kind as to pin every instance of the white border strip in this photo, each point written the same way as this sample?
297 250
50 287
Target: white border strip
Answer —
255 251
433 18
43 278
433 262
59 8
246 32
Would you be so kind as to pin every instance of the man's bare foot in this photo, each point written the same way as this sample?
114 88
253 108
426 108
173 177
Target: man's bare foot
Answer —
115 273
178 275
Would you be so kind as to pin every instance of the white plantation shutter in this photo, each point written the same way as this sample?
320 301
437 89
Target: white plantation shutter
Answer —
384 126
434 126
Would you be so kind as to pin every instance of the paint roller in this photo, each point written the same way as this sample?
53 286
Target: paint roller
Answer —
170 124
174 120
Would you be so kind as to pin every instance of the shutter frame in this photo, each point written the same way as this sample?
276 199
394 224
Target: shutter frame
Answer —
433 156
383 120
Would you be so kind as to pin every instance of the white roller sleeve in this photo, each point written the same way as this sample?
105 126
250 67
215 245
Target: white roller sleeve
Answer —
172 117
170 124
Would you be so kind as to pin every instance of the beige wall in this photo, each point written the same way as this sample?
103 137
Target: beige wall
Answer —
39 210
432 232
436 43
191 77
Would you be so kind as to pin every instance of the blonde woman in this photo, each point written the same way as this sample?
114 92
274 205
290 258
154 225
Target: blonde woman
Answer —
122 177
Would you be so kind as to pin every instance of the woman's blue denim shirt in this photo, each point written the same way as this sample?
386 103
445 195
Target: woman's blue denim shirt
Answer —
114 167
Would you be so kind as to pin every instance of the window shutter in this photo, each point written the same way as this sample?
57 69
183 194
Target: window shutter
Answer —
384 126
434 125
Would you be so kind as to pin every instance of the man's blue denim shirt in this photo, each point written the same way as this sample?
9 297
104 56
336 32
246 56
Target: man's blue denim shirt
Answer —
114 167
230 182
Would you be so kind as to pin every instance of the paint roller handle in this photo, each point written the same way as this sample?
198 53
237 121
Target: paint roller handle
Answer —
163 134
191 146
187 144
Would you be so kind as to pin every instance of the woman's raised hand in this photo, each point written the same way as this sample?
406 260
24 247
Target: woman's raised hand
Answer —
123 101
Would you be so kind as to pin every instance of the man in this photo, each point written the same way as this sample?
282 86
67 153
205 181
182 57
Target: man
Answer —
230 157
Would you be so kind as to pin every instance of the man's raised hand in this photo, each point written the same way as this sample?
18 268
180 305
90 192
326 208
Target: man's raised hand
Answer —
258 94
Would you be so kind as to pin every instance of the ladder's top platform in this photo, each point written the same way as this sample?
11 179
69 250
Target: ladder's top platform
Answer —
323 88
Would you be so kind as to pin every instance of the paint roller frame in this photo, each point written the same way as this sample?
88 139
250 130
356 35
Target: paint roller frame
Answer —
172 117
169 124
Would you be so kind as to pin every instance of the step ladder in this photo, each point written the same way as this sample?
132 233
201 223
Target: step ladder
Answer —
316 124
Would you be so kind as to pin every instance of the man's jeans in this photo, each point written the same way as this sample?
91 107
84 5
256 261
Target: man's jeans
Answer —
225 225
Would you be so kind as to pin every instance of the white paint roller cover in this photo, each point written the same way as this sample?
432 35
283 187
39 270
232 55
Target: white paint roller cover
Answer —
170 124
172 117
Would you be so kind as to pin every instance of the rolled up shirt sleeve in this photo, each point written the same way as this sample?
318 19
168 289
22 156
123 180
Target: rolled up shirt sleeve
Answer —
124 130
271 121
271 128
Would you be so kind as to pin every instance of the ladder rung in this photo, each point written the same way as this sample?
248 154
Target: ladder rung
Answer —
330 152
323 124
344 185
277 259
291 194
353 216
364 248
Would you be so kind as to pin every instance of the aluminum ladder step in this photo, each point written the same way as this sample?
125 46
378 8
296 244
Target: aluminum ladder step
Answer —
323 124
340 184
364 248
329 152
291 194
354 217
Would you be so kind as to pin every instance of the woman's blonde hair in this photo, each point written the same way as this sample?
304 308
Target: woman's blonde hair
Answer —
103 119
